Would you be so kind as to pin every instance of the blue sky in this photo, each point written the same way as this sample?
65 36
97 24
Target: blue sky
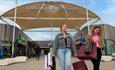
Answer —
105 9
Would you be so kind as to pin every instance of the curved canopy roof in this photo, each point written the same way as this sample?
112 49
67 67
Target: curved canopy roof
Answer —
45 14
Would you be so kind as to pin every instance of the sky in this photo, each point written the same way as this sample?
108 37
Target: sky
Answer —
105 9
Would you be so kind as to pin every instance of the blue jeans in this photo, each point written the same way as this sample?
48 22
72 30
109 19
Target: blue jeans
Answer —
64 55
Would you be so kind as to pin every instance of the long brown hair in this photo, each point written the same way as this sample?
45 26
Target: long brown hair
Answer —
95 28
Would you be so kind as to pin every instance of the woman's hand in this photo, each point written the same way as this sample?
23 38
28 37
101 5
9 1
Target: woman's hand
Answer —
52 55
75 55
88 37
75 59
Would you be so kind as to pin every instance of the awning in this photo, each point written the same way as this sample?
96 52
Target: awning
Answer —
45 14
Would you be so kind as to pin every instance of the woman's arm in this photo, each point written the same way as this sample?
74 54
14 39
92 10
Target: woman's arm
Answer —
74 52
55 46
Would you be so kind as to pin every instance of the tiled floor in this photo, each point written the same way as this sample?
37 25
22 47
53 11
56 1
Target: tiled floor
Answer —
34 64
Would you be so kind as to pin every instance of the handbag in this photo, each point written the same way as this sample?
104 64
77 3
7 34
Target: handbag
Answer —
88 46
81 54
80 65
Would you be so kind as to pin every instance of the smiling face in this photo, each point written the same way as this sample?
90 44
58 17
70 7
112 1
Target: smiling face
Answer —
96 30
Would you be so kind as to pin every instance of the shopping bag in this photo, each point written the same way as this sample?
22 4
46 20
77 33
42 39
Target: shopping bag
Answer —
89 46
80 65
48 60
81 54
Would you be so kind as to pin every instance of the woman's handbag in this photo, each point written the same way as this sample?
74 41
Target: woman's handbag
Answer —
80 65
82 54
89 46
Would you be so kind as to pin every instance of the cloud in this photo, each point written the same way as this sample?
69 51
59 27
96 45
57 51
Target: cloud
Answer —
4 9
92 3
105 9
113 1
108 15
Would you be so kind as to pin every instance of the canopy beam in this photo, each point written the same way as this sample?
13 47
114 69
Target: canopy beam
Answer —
34 18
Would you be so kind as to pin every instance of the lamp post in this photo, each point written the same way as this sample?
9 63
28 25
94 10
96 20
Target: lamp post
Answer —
13 40
87 17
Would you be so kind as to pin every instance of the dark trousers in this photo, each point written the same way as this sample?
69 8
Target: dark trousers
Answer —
96 62
53 67
37 54
21 50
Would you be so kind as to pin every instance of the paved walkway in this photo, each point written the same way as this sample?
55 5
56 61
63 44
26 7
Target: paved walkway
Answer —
34 64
